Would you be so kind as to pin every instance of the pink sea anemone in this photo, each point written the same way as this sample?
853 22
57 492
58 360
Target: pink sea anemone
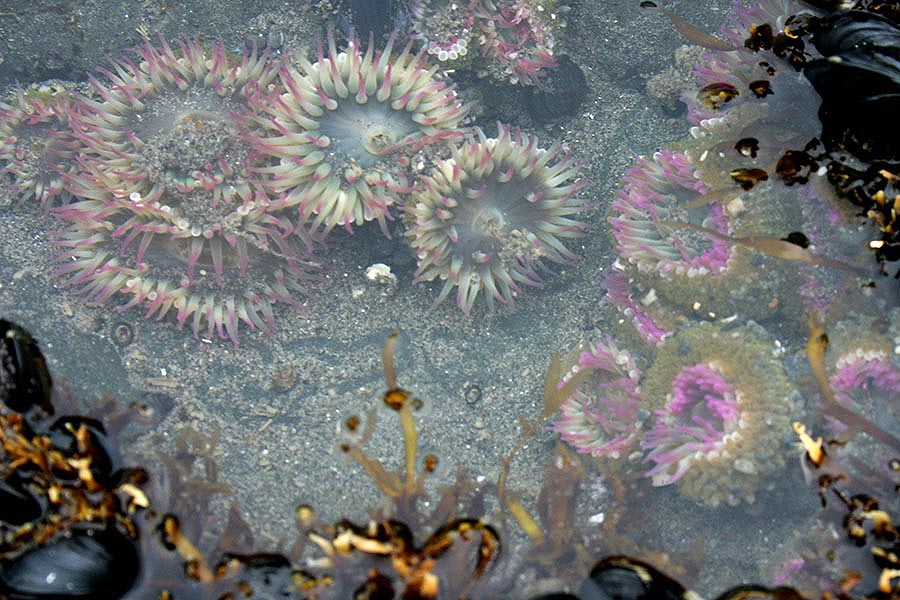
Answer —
338 139
700 414
864 367
490 216
721 406
604 417
37 148
517 39
680 237
167 212
862 376
655 193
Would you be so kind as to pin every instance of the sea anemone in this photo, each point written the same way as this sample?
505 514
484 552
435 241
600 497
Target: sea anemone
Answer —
339 138
172 121
863 375
517 39
490 215
167 211
653 198
673 233
36 145
653 192
604 416
864 367
445 28
721 406
511 41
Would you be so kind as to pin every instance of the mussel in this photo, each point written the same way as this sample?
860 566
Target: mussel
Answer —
757 592
25 382
624 578
18 505
859 82
106 461
97 564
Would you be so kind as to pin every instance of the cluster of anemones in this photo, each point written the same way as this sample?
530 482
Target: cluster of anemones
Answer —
693 225
708 230
709 413
167 210
339 140
508 40
197 182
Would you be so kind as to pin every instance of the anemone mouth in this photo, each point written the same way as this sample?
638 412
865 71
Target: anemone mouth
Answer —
197 148
489 222
488 217
364 133
703 398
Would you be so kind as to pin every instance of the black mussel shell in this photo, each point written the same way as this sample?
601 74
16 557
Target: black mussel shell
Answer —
859 82
851 30
100 565
826 4
24 379
560 95
376 587
556 596
756 592
624 578
17 504
264 575
106 462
